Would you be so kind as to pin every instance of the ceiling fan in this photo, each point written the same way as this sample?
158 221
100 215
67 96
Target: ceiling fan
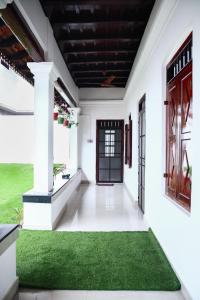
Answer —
108 81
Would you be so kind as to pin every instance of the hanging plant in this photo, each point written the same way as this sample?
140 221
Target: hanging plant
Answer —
66 122
60 116
72 124
60 119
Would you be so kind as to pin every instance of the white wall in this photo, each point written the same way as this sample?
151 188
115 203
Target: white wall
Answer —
8 271
17 131
17 140
177 230
87 133
91 94
15 92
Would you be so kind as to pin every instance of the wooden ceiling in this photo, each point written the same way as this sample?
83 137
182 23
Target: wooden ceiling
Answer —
13 53
98 39
18 47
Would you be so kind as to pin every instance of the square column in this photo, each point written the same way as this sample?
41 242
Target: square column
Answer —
73 138
44 77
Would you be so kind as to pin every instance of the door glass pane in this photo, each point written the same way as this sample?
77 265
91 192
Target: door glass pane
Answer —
115 163
103 175
101 147
104 163
118 135
115 175
101 134
117 147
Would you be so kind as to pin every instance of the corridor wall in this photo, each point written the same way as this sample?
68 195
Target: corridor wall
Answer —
176 229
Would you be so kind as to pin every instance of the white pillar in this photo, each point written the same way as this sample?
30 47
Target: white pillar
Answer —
44 77
73 139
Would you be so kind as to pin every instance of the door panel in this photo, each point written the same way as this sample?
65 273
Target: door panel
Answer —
109 150
141 154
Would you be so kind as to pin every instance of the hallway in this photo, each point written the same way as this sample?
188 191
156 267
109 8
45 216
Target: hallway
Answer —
102 208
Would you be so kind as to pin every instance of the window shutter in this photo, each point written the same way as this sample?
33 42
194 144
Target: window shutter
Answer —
178 103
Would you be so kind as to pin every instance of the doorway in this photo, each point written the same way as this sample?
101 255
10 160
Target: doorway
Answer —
141 153
109 151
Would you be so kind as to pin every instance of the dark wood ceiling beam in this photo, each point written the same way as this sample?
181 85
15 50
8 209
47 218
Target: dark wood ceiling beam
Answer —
102 70
100 46
88 85
98 39
101 83
18 55
98 78
85 36
101 58
1 23
8 42
93 20
97 51
101 62
92 74
100 67
82 3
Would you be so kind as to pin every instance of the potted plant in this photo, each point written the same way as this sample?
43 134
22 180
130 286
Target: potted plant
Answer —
18 216
55 115
66 122
61 117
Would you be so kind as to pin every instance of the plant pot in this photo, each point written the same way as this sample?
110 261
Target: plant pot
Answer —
66 122
55 116
60 120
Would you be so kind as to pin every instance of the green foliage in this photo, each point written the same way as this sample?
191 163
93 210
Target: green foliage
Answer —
15 179
57 168
18 218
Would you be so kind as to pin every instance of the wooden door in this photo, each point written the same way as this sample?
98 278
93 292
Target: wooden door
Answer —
109 151
141 154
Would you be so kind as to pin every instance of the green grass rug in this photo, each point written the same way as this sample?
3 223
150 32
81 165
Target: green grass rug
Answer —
93 261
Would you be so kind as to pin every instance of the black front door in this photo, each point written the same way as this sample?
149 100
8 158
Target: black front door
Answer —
141 154
109 151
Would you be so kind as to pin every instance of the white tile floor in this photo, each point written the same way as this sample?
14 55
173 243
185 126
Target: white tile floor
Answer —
97 295
100 208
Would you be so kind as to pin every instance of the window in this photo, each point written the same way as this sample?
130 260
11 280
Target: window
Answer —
109 143
178 125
